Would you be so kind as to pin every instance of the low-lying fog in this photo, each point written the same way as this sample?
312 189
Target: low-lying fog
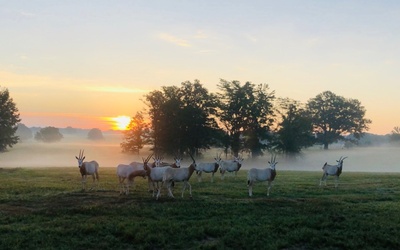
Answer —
108 154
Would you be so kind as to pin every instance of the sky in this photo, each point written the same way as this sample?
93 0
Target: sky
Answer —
83 63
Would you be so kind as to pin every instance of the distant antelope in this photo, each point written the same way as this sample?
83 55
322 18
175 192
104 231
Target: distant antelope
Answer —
334 170
87 168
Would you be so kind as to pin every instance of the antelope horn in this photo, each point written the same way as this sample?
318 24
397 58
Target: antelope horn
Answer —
192 157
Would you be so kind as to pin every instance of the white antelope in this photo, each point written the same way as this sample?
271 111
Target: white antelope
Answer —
334 170
178 175
208 167
230 166
266 174
156 174
129 172
87 168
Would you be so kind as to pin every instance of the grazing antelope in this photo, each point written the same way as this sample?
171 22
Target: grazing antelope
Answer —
129 172
230 166
87 168
334 170
208 167
265 174
178 175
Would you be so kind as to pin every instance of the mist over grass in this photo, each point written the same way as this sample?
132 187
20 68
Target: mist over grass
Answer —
108 153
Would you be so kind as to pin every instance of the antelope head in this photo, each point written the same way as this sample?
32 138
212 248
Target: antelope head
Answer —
272 162
80 158
341 159
178 161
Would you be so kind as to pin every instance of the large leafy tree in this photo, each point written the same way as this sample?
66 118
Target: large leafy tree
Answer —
9 119
136 135
295 129
247 114
334 117
182 118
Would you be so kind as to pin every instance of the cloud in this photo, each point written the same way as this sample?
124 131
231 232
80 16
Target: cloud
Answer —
174 40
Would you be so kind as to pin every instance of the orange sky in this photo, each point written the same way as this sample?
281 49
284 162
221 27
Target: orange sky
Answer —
74 63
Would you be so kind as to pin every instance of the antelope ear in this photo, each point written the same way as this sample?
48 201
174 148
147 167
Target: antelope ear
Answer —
269 162
76 157
83 158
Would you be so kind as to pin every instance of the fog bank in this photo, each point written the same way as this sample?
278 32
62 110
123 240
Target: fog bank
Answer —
108 153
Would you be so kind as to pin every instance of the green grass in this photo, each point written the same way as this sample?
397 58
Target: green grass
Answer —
45 208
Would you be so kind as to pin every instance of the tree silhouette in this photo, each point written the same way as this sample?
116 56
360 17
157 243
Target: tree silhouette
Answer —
136 135
334 116
247 115
9 119
295 128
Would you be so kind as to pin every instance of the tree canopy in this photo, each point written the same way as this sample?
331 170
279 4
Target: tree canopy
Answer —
136 135
247 114
295 128
334 116
9 119
182 118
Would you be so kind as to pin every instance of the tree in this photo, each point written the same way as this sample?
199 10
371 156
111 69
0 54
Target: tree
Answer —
182 119
48 134
95 134
136 135
247 115
9 119
295 129
23 132
334 117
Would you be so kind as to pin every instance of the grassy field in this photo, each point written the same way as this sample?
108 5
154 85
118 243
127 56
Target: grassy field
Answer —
45 208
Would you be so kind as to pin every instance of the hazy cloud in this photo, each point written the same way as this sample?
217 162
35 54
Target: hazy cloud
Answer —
174 40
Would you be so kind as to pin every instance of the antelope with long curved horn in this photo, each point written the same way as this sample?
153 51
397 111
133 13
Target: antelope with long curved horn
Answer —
267 174
334 170
129 172
178 175
87 168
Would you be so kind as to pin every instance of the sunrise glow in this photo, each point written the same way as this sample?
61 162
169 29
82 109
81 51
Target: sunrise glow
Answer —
120 122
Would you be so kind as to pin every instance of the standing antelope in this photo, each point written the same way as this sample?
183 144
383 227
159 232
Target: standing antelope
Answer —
230 166
266 174
156 174
178 175
334 170
208 167
129 172
87 168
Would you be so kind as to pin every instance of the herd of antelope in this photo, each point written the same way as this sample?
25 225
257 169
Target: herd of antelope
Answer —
160 174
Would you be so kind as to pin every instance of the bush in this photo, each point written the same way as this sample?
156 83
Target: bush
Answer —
95 134
49 134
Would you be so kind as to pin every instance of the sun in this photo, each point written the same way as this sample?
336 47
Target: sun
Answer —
121 122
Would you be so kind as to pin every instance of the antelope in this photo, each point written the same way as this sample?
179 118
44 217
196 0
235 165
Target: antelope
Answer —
155 174
265 174
129 172
87 168
178 175
230 166
334 170
208 167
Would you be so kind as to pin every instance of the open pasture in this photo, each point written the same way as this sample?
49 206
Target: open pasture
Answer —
45 208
